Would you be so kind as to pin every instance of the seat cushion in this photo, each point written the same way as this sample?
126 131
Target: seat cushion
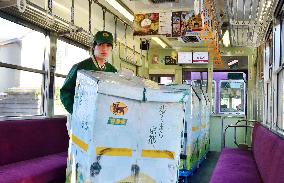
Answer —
235 166
40 170
22 140
268 150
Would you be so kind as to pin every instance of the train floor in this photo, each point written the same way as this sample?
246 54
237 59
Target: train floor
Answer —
204 172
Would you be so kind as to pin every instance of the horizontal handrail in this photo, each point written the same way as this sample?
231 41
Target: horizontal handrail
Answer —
235 137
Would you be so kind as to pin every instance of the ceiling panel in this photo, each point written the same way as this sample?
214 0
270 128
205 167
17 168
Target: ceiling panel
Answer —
144 6
249 20
246 20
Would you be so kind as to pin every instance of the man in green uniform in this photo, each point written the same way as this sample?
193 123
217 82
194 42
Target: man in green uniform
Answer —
102 47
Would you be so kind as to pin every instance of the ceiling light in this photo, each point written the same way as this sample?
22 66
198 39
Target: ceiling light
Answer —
233 62
226 39
160 42
121 9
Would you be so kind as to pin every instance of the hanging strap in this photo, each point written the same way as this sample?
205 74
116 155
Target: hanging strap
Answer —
49 21
72 13
21 5
72 27
104 19
90 16
49 5
115 30
125 40
90 24
134 50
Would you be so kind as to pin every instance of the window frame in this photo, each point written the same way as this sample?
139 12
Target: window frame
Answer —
43 71
70 42
279 107
244 99
278 72
60 75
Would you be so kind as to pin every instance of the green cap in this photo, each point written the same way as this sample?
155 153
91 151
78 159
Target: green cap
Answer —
103 37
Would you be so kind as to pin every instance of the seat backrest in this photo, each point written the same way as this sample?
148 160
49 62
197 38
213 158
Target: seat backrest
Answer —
27 139
268 151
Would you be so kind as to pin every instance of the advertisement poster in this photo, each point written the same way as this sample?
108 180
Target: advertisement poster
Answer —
200 57
176 31
184 57
170 60
165 27
146 24
184 23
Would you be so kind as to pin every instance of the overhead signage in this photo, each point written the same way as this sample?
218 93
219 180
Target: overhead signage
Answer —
200 57
184 57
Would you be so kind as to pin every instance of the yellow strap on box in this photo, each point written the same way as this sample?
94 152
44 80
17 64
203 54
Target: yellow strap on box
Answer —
108 151
157 154
194 129
79 142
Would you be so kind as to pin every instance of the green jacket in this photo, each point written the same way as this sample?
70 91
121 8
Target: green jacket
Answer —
67 91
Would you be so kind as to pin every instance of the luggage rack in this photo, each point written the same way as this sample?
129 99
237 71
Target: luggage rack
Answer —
245 145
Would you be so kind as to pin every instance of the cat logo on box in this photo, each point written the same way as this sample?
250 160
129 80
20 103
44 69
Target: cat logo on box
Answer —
118 109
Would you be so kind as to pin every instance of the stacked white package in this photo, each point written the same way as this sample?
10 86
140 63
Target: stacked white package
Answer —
124 129
204 130
196 128
187 143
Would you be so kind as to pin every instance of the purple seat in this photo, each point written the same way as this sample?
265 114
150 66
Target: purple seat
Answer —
33 151
235 166
39 170
265 163
268 151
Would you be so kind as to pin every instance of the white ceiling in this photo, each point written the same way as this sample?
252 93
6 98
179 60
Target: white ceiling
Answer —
248 20
147 6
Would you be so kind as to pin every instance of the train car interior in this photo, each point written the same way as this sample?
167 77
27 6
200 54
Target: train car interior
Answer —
141 91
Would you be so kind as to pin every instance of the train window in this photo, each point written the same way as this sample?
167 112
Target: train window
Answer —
21 46
268 103
213 105
232 96
58 106
277 47
22 57
282 41
20 95
260 99
281 100
163 79
266 61
166 80
66 56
